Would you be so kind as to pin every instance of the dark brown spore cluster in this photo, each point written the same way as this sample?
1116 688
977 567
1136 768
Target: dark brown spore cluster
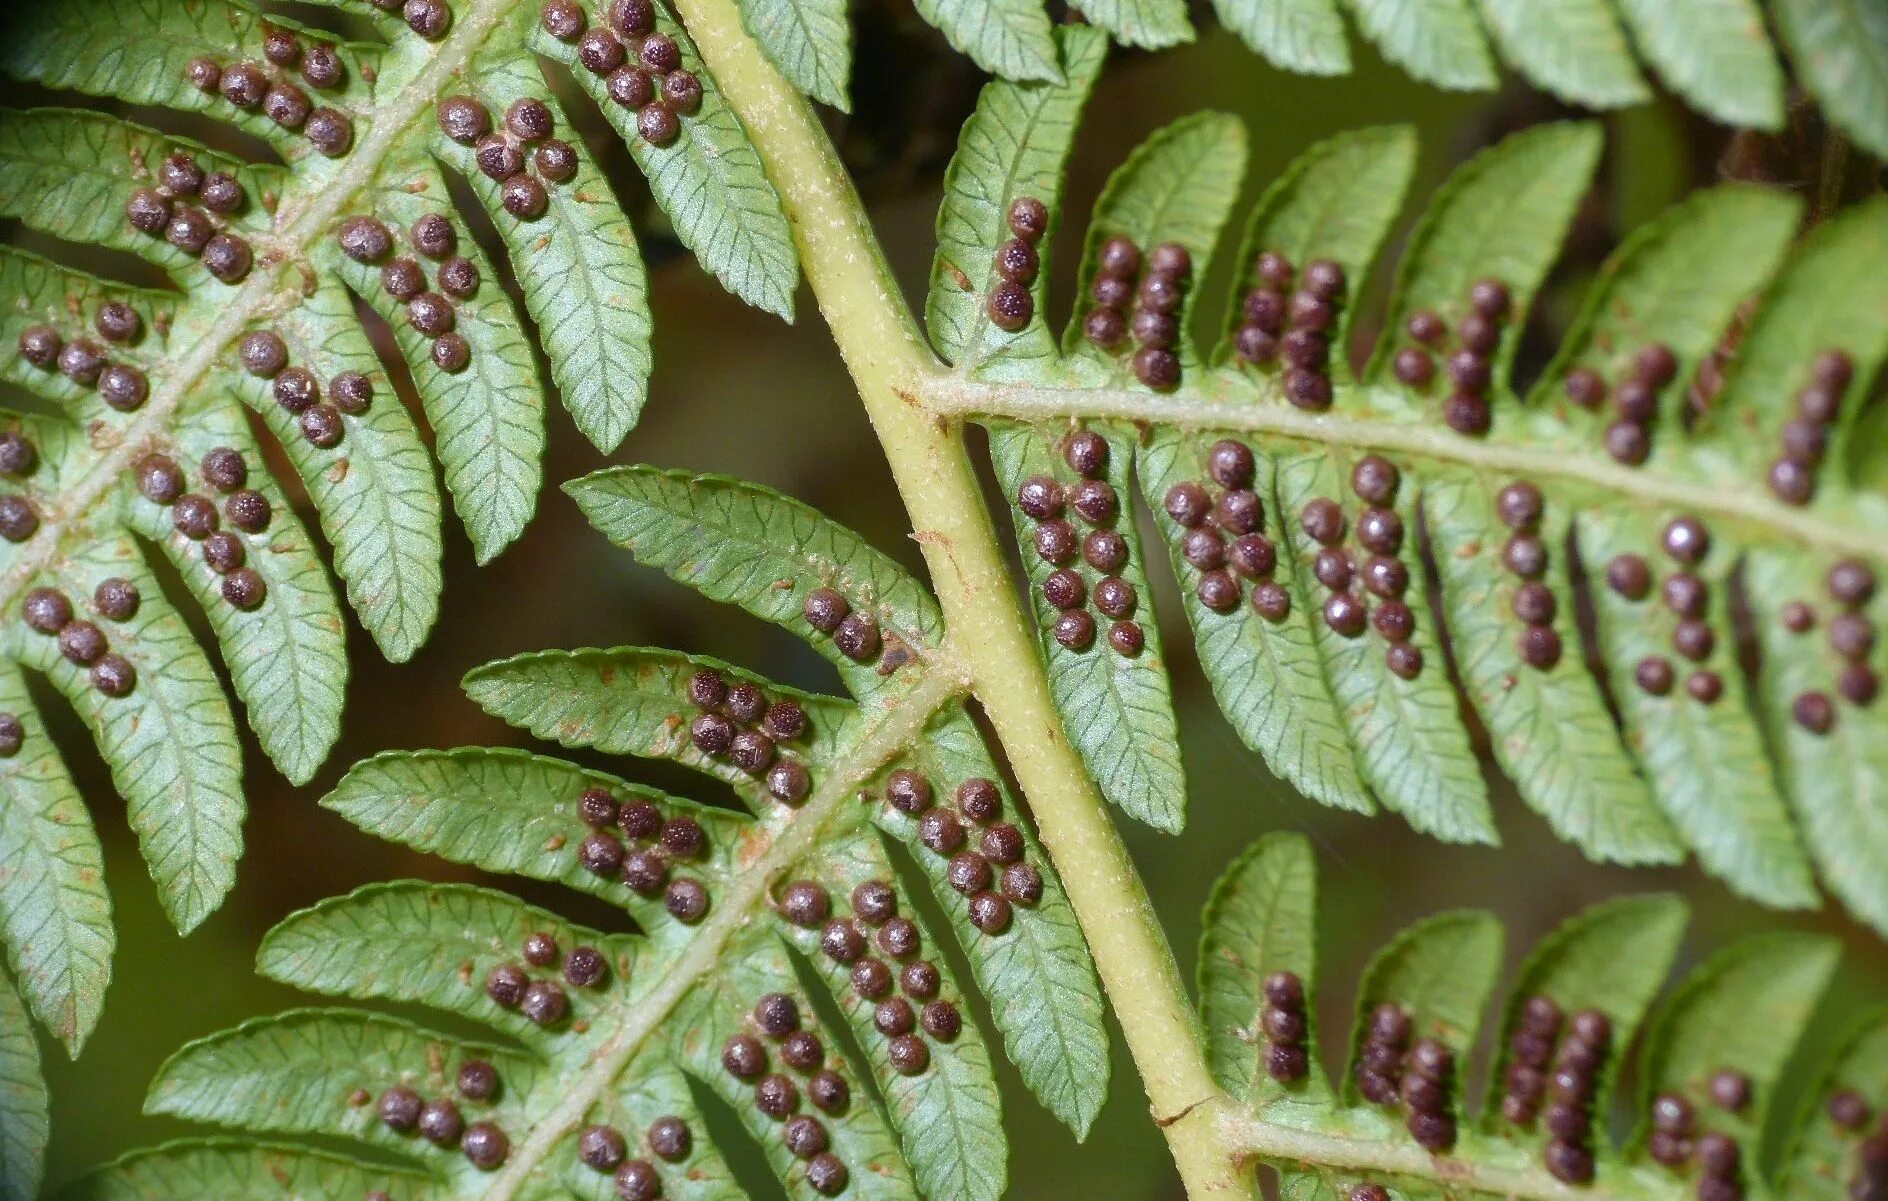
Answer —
194 516
1687 594
634 841
1287 1030
640 67
1149 310
1850 585
12 735
544 1000
268 86
1805 437
1224 539
368 241
87 364
442 1122
855 633
520 155
1419 1077
189 208
1469 366
603 1148
1293 327
739 725
1367 594
1635 399
1677 1144
776 1019
1570 1088
296 390
987 856
81 642
1011 305
1519 506
1852 1116
1074 527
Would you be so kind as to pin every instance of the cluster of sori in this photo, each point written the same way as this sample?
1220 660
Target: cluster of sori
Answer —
87 364
1420 1076
1011 305
845 941
1102 548
166 211
47 611
604 1149
428 18
745 1057
1470 366
1852 1116
442 1123
1155 304
1224 520
544 1002
1286 1028
741 726
500 153
251 85
1635 399
1567 1079
972 871
855 634
1519 507
194 516
264 355
367 240
1850 584
645 866
19 519
1295 328
1384 576
1688 596
1676 1143
1805 437
641 68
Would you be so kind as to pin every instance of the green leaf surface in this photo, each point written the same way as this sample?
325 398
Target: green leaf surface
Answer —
1441 971
1840 48
1714 53
578 266
1705 762
1013 40
1502 215
1268 678
1306 36
233 1170
1117 709
1178 186
55 915
1550 729
1260 919
24 1125
1336 201
1820 1161
810 41
1015 145
1573 48
1437 41
738 543
1743 1010
1147 24
1411 746
1612 958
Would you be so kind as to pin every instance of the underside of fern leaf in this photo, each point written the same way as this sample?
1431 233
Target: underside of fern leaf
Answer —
758 923
1399 1123
1688 457
281 275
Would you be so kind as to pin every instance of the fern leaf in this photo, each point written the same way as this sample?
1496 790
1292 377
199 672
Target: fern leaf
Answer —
1148 24
1293 35
24 1126
1841 49
809 40
1573 48
1714 53
1437 41
1440 972
1013 38
1819 1159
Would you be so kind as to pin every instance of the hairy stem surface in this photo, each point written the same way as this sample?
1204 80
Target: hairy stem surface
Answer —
892 367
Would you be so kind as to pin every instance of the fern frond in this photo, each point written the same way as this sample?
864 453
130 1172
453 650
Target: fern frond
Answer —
808 891
1713 1056
144 443
1353 546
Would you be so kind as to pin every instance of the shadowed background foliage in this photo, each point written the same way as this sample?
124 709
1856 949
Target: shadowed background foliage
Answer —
736 391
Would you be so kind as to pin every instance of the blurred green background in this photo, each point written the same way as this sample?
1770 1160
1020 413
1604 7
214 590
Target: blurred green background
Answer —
742 393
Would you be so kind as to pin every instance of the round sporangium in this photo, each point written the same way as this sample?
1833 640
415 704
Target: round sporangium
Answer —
874 902
802 1050
638 1180
584 967
505 984
829 1092
686 900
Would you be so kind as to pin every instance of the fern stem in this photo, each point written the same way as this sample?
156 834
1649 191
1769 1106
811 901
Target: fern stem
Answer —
1853 530
882 732
890 364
